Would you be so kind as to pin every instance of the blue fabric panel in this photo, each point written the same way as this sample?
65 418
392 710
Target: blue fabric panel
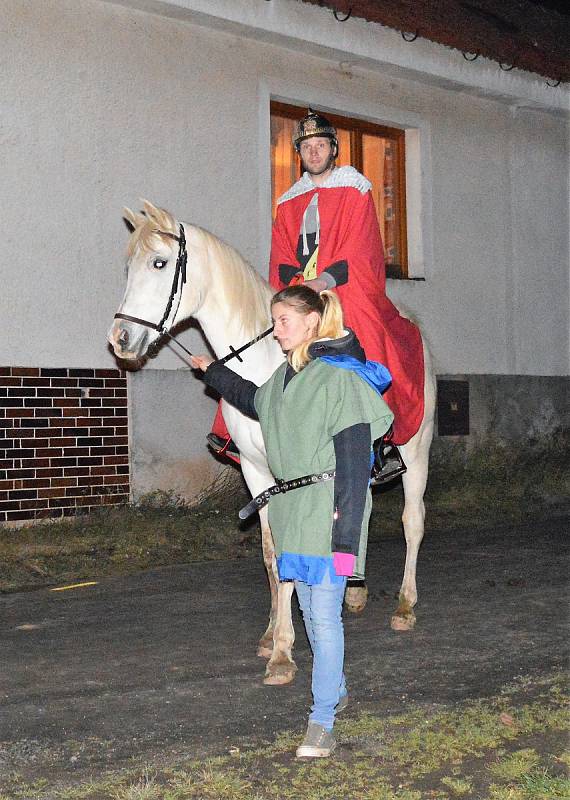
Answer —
375 374
309 569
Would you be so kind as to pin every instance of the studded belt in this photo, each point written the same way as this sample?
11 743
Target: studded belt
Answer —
283 486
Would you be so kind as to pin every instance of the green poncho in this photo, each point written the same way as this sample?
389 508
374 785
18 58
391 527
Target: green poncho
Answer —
298 427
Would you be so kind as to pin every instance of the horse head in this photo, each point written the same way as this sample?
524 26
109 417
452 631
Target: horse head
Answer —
176 271
158 291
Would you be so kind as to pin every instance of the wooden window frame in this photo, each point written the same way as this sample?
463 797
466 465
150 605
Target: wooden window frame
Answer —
357 128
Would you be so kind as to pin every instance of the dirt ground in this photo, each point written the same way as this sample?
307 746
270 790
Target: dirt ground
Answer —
164 662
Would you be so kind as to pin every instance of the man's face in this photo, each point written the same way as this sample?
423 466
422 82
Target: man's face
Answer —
316 154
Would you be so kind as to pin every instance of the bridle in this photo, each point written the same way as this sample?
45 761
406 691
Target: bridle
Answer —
178 282
179 279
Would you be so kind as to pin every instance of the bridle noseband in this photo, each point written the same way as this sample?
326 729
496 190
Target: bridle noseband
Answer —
179 280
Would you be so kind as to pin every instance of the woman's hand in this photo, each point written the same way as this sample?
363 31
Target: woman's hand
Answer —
201 362
318 285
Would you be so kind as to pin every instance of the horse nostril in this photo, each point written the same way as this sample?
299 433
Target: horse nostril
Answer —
123 337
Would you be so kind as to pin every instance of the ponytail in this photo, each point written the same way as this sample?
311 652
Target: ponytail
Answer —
332 322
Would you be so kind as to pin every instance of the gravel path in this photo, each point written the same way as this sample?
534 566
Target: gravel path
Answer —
165 660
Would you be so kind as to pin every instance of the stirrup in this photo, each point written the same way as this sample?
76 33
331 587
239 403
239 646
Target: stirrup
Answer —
388 463
223 447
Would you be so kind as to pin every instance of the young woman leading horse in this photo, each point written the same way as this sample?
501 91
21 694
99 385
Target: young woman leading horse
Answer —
320 413
230 301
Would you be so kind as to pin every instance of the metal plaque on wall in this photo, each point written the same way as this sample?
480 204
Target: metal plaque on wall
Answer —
452 408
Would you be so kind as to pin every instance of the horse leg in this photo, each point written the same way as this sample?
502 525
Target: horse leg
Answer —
281 668
414 481
276 644
265 647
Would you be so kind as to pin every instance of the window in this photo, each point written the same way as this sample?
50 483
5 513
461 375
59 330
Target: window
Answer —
376 151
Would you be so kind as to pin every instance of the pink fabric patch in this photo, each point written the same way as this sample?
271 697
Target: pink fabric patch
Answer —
343 564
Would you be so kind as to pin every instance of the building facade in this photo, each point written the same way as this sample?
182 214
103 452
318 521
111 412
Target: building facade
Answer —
107 102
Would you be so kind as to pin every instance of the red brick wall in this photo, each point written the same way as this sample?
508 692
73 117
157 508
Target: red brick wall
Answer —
63 441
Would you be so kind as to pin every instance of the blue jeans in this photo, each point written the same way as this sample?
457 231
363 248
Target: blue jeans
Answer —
322 614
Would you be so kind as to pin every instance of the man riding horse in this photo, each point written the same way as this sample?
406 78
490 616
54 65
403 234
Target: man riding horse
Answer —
326 235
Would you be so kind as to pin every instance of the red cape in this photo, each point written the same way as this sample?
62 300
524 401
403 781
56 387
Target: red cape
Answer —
349 231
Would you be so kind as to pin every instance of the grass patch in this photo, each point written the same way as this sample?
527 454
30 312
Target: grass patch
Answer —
489 482
475 489
458 786
535 786
516 765
145 788
119 540
469 749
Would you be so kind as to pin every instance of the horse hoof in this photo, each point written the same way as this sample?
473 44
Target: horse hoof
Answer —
356 598
263 651
403 622
279 674
278 680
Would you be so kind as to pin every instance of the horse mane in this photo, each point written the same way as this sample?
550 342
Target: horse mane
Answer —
147 227
245 290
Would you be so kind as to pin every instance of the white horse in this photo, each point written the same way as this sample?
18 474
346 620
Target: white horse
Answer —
231 302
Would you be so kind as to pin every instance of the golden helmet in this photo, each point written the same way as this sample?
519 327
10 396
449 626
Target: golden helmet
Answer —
314 124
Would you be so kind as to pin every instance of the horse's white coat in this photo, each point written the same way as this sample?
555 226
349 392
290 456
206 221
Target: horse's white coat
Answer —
209 297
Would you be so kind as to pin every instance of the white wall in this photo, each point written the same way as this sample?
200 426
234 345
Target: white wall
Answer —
102 104
541 228
99 107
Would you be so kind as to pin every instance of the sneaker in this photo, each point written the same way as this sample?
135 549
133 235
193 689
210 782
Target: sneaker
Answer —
318 742
223 447
342 704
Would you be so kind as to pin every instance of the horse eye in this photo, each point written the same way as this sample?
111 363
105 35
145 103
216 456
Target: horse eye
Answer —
159 263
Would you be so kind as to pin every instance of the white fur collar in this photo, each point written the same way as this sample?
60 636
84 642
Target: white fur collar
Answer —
341 176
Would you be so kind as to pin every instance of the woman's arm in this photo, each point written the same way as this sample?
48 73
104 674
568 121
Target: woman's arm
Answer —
352 452
237 391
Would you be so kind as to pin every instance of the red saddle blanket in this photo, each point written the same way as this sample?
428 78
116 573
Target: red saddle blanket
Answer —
396 342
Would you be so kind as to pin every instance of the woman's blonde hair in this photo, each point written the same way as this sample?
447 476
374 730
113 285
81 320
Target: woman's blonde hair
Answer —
326 305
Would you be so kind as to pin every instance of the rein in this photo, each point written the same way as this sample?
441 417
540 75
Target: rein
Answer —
180 272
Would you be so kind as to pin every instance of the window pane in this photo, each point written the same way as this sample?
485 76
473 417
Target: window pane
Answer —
284 166
345 155
379 167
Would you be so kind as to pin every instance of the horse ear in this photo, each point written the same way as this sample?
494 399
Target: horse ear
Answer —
151 211
133 220
161 218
